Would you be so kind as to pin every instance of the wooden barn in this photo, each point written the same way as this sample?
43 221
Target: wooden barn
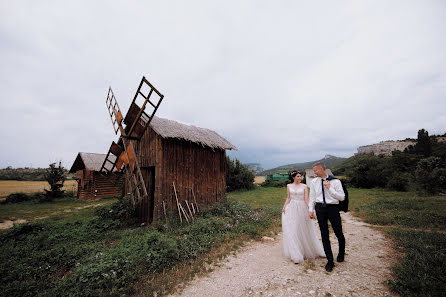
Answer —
192 158
91 183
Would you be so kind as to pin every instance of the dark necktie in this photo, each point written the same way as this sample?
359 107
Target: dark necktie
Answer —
323 192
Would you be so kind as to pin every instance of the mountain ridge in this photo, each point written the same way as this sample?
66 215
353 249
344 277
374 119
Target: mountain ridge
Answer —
328 160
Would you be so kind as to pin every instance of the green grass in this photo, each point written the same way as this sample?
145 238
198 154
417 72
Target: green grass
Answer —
89 252
421 272
403 209
261 197
92 253
417 225
67 206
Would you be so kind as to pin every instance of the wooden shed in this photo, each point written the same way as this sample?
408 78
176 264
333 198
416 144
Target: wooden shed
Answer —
91 183
192 158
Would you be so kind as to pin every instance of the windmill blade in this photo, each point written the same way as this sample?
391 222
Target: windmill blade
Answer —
144 106
111 158
114 112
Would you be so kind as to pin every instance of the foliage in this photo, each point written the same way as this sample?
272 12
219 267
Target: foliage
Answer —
121 211
238 176
417 226
431 175
55 176
421 271
424 144
97 255
404 209
398 171
26 174
275 183
17 198
30 197
398 181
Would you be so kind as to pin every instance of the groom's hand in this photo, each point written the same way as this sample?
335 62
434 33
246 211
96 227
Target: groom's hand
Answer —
327 184
311 214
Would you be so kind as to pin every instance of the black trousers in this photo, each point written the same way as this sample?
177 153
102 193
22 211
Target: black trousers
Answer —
324 214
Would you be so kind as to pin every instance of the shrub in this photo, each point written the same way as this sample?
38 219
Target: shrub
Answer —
122 211
162 251
275 183
431 176
398 181
238 176
16 198
23 197
199 237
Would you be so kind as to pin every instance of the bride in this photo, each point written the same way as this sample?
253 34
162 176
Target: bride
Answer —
299 233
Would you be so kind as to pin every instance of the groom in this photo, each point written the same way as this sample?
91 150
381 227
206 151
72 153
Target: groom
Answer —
326 195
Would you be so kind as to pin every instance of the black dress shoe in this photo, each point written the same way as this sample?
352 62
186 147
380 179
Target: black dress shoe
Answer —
340 258
329 266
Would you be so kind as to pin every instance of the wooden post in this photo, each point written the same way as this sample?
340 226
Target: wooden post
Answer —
187 204
178 204
193 208
165 214
195 199
184 213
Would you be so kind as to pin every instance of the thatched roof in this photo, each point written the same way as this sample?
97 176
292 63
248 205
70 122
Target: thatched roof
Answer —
205 137
172 129
88 161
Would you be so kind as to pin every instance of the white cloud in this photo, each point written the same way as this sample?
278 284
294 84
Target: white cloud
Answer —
284 81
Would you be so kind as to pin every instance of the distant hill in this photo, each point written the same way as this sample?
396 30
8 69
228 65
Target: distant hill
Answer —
328 160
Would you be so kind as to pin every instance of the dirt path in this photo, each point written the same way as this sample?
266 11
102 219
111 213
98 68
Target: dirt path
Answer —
260 269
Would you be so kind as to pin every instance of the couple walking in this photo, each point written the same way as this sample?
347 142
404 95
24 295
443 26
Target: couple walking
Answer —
299 234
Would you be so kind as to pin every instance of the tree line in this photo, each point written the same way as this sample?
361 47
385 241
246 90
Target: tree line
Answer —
420 167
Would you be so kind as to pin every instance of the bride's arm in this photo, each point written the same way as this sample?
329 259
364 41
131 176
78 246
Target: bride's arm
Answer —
287 199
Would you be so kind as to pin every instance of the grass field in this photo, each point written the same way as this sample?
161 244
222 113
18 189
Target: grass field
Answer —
416 224
108 258
14 186
79 250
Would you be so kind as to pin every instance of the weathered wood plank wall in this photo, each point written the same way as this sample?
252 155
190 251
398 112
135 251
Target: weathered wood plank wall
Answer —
190 165
94 185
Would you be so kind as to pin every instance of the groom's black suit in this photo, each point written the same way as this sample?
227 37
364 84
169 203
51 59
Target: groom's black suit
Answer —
329 211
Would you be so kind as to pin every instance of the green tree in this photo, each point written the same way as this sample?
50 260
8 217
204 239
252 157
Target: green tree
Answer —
55 176
238 176
431 176
424 143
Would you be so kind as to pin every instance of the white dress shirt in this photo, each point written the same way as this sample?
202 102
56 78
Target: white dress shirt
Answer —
332 196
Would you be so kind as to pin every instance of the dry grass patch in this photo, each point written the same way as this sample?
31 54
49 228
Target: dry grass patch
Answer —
15 186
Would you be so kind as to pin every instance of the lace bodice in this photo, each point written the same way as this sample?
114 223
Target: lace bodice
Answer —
297 194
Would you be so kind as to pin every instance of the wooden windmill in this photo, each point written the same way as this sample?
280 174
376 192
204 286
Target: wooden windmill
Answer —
121 156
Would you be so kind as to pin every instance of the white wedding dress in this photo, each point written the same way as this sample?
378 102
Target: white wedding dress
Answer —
299 233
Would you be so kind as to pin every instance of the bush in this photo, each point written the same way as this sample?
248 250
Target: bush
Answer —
238 176
16 198
122 211
431 176
88 257
398 182
199 237
23 197
275 183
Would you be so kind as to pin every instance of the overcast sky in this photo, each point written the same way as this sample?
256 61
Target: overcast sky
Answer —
284 81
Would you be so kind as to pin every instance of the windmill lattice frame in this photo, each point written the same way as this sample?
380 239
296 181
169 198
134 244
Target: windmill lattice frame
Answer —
121 156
